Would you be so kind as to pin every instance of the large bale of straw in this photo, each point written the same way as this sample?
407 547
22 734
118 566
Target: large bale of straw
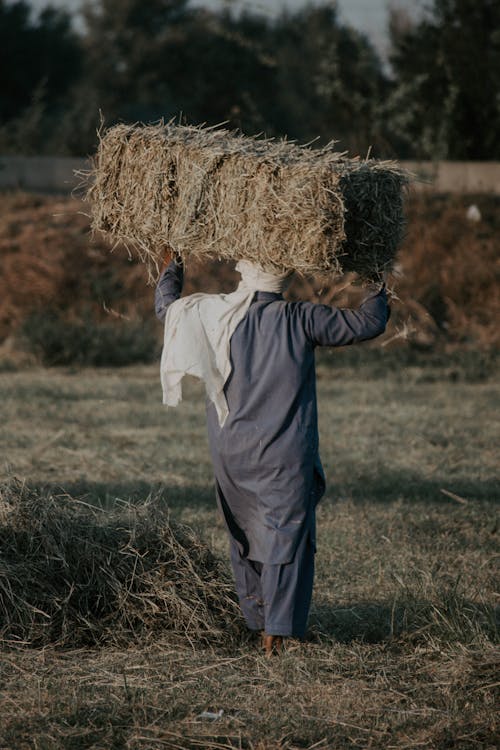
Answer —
75 575
212 193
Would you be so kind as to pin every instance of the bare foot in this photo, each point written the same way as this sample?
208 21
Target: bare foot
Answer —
272 644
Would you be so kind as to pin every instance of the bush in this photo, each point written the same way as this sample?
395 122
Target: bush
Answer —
55 340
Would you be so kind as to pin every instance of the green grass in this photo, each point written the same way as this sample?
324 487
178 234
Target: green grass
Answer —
403 634
54 340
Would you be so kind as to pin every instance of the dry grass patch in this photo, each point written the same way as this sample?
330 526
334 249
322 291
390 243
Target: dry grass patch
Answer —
324 695
72 574
404 648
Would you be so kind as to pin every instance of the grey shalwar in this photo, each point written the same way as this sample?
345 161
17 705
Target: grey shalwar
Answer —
267 468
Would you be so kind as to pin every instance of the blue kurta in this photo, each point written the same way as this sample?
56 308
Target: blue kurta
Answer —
266 459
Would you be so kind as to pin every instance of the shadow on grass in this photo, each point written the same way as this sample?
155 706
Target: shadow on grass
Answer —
389 486
110 494
386 487
410 362
451 619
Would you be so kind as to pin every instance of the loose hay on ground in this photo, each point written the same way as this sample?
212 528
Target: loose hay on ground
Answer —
212 193
76 575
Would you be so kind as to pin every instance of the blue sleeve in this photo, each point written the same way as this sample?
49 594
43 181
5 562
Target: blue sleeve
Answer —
169 288
331 326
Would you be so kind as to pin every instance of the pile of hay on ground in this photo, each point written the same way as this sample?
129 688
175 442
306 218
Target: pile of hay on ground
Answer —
212 193
75 575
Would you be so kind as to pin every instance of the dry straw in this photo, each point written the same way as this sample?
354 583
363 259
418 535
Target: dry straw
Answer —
75 575
212 193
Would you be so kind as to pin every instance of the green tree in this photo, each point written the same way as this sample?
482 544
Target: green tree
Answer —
230 75
445 102
127 45
41 52
330 79
163 58
303 74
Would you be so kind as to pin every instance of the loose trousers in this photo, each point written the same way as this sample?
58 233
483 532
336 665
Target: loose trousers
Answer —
276 598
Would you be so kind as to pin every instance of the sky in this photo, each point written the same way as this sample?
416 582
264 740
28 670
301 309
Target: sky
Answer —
368 16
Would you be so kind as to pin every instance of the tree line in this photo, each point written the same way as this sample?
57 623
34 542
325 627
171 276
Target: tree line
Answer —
304 74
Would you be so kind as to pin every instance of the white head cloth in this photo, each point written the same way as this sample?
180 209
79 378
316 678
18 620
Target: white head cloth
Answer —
198 330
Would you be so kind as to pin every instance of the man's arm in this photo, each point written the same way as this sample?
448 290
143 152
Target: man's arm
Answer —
332 326
169 287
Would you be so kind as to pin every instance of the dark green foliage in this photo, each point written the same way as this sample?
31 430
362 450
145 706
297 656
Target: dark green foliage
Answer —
304 74
210 67
55 340
330 79
44 50
444 103
40 59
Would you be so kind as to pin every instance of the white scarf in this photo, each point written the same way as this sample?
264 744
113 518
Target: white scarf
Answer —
198 331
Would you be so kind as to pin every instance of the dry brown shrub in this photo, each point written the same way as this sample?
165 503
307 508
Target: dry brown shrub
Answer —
48 262
450 268
448 291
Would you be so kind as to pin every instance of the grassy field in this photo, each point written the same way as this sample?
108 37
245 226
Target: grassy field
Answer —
402 632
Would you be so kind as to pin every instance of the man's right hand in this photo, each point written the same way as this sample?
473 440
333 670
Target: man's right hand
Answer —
168 256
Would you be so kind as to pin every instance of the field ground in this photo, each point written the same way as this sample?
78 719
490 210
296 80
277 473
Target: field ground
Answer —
402 650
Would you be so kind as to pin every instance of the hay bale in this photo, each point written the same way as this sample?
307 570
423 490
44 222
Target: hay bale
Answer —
75 575
212 193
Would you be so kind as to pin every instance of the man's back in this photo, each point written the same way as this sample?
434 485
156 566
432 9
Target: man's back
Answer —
265 456
272 383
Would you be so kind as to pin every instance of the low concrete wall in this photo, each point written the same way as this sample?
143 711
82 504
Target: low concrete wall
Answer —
55 174
456 176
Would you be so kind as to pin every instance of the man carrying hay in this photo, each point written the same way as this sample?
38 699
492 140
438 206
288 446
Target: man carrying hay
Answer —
255 353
